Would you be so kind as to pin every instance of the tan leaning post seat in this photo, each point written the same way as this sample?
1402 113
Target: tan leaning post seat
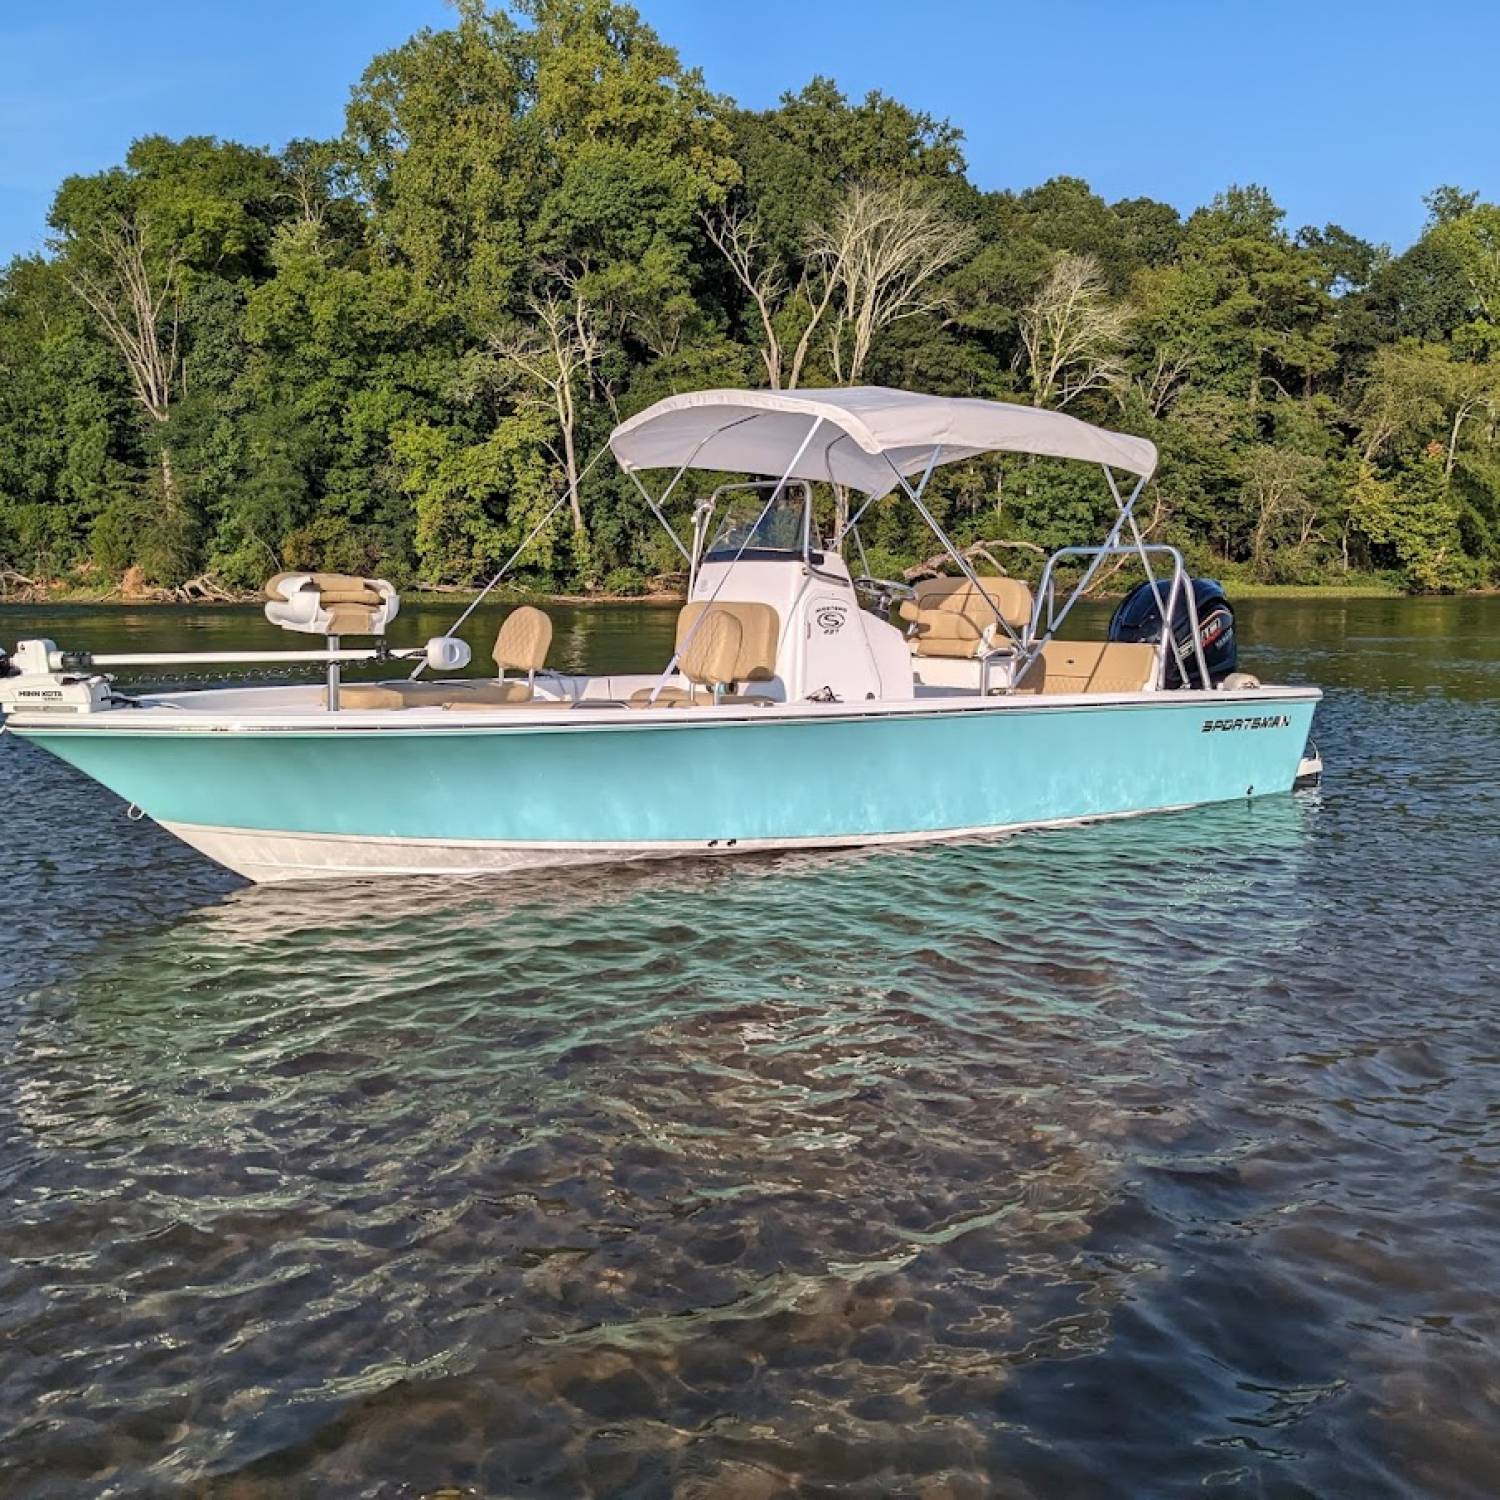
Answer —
753 628
760 626
1090 667
950 617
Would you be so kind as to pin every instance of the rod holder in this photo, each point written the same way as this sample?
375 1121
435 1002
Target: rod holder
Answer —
333 675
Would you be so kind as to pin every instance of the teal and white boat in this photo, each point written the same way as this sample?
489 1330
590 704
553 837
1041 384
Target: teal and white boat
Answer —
794 713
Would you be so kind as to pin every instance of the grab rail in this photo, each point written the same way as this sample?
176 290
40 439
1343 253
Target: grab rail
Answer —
1047 593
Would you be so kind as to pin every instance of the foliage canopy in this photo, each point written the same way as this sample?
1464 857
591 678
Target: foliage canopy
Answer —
393 351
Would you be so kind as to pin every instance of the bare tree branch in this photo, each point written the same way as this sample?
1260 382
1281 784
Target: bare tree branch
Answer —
882 252
738 240
1071 333
974 552
560 347
139 311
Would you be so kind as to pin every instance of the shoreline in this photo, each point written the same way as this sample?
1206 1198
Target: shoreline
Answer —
44 596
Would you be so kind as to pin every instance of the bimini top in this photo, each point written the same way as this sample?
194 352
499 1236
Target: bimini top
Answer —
868 434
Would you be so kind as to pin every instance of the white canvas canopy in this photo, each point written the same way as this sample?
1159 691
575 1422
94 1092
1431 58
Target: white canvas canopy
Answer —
868 434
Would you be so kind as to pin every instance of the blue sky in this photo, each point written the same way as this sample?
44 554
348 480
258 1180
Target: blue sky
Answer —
1348 112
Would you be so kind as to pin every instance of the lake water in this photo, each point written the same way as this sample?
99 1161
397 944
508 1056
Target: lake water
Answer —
1154 1158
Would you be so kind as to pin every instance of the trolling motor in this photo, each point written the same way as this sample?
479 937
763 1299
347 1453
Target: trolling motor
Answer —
39 680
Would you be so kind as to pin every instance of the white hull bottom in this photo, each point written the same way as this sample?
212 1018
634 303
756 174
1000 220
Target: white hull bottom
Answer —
269 857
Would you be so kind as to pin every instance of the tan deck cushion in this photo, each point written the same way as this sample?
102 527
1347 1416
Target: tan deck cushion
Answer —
471 694
703 700
641 698
760 628
524 640
1124 667
394 694
492 694
467 704
1090 667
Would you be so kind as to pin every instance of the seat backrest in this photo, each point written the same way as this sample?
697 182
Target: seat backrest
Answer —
711 655
760 627
951 615
1091 667
524 640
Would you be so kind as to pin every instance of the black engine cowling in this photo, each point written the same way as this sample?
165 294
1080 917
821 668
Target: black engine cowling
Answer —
1138 618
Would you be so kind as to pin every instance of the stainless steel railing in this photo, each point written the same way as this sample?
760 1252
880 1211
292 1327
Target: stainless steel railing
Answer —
1046 598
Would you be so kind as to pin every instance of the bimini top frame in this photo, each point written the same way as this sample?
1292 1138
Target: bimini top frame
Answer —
874 440
872 437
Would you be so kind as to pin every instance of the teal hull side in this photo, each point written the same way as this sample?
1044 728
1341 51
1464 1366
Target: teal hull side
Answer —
642 784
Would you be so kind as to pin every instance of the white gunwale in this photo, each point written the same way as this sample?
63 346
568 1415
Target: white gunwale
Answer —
161 714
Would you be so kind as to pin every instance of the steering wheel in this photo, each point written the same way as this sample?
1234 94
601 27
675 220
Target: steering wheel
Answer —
885 590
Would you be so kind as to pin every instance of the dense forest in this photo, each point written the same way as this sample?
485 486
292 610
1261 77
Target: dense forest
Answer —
391 352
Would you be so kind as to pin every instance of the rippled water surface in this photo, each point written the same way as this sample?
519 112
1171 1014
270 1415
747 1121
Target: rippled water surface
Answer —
1149 1158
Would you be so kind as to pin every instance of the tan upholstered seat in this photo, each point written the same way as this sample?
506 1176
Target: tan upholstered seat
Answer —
950 617
524 640
522 645
713 652
664 697
330 603
1090 667
760 628
755 628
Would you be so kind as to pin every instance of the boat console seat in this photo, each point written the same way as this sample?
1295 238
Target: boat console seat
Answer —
713 656
1090 667
760 628
950 617
524 640
331 604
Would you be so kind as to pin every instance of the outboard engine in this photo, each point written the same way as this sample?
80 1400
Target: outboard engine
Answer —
1138 618
5 667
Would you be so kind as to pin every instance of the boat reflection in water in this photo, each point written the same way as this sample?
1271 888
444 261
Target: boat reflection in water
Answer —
699 1175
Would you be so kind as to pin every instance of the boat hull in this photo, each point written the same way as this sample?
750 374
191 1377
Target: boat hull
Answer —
294 802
